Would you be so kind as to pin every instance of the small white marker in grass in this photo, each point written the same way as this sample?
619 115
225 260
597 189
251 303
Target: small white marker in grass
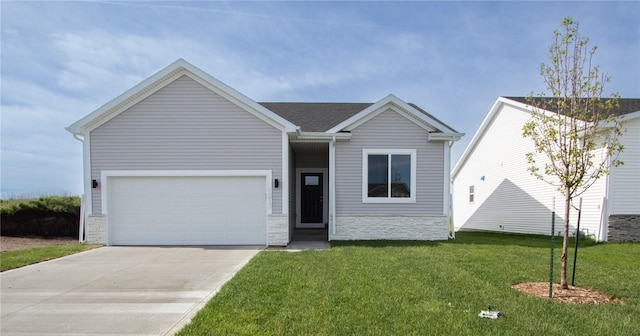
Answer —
489 313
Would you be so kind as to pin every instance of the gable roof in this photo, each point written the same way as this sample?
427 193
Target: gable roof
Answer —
626 105
329 118
163 78
629 107
411 112
321 117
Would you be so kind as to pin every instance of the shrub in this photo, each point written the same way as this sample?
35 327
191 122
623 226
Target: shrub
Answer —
50 216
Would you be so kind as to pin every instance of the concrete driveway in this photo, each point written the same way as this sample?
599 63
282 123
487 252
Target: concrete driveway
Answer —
116 290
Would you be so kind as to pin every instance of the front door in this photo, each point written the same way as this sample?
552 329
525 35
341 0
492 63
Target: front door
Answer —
311 198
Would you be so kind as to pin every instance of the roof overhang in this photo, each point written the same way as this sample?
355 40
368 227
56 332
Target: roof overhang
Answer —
161 79
300 136
488 120
444 136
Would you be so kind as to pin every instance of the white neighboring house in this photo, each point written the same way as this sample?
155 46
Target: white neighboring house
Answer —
494 191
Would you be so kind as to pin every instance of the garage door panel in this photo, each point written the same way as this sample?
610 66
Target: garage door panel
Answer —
187 210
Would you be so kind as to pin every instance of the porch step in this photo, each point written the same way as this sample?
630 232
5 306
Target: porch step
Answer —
310 235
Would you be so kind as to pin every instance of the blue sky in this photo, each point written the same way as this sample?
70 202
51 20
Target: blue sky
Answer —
62 60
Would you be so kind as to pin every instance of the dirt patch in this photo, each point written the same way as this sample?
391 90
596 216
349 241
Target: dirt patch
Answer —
20 243
573 295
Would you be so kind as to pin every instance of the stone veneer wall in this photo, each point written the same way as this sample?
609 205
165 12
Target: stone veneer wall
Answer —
96 229
390 228
624 228
277 230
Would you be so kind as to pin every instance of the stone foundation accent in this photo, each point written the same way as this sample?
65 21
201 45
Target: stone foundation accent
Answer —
277 230
623 228
96 229
390 228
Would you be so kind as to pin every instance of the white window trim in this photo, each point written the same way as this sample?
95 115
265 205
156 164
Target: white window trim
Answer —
365 177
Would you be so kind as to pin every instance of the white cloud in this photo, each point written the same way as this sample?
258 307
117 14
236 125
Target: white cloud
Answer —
97 60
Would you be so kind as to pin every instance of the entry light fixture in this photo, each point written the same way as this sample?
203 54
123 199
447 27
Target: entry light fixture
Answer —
94 184
276 183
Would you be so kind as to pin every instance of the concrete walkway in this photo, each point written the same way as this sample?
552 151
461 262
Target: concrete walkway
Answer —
116 290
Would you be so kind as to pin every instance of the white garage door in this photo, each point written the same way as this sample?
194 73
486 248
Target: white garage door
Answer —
192 210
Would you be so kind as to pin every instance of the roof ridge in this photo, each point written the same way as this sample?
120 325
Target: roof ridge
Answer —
311 102
626 106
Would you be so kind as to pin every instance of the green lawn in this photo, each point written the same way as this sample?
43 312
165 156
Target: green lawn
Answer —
418 288
14 259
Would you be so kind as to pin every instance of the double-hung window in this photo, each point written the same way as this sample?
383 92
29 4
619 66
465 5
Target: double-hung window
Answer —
389 175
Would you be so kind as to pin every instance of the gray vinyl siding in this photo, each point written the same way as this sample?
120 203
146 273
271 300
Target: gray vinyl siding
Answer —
185 126
389 130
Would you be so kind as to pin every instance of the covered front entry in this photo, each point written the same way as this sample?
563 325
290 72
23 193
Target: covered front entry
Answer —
186 210
311 186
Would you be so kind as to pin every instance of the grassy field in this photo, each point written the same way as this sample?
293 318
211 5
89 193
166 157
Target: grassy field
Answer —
14 259
419 288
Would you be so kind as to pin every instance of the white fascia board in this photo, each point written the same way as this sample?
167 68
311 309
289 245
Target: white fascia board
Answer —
629 116
322 136
623 118
397 105
444 136
162 78
603 127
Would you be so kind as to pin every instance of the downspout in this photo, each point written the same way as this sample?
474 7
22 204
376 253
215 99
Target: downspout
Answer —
83 199
452 232
605 210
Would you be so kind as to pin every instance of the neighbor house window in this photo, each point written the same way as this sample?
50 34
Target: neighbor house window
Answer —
389 176
471 194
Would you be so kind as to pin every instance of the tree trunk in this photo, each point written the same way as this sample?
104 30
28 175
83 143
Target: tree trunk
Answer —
565 241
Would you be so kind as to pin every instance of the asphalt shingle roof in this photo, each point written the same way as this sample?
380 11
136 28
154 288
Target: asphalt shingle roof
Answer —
316 117
321 117
627 105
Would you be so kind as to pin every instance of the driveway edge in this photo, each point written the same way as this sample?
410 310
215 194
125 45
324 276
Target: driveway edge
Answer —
186 319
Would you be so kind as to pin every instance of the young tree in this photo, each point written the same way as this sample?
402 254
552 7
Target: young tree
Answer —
572 127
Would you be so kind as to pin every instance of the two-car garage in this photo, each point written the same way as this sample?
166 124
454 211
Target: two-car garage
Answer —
186 208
